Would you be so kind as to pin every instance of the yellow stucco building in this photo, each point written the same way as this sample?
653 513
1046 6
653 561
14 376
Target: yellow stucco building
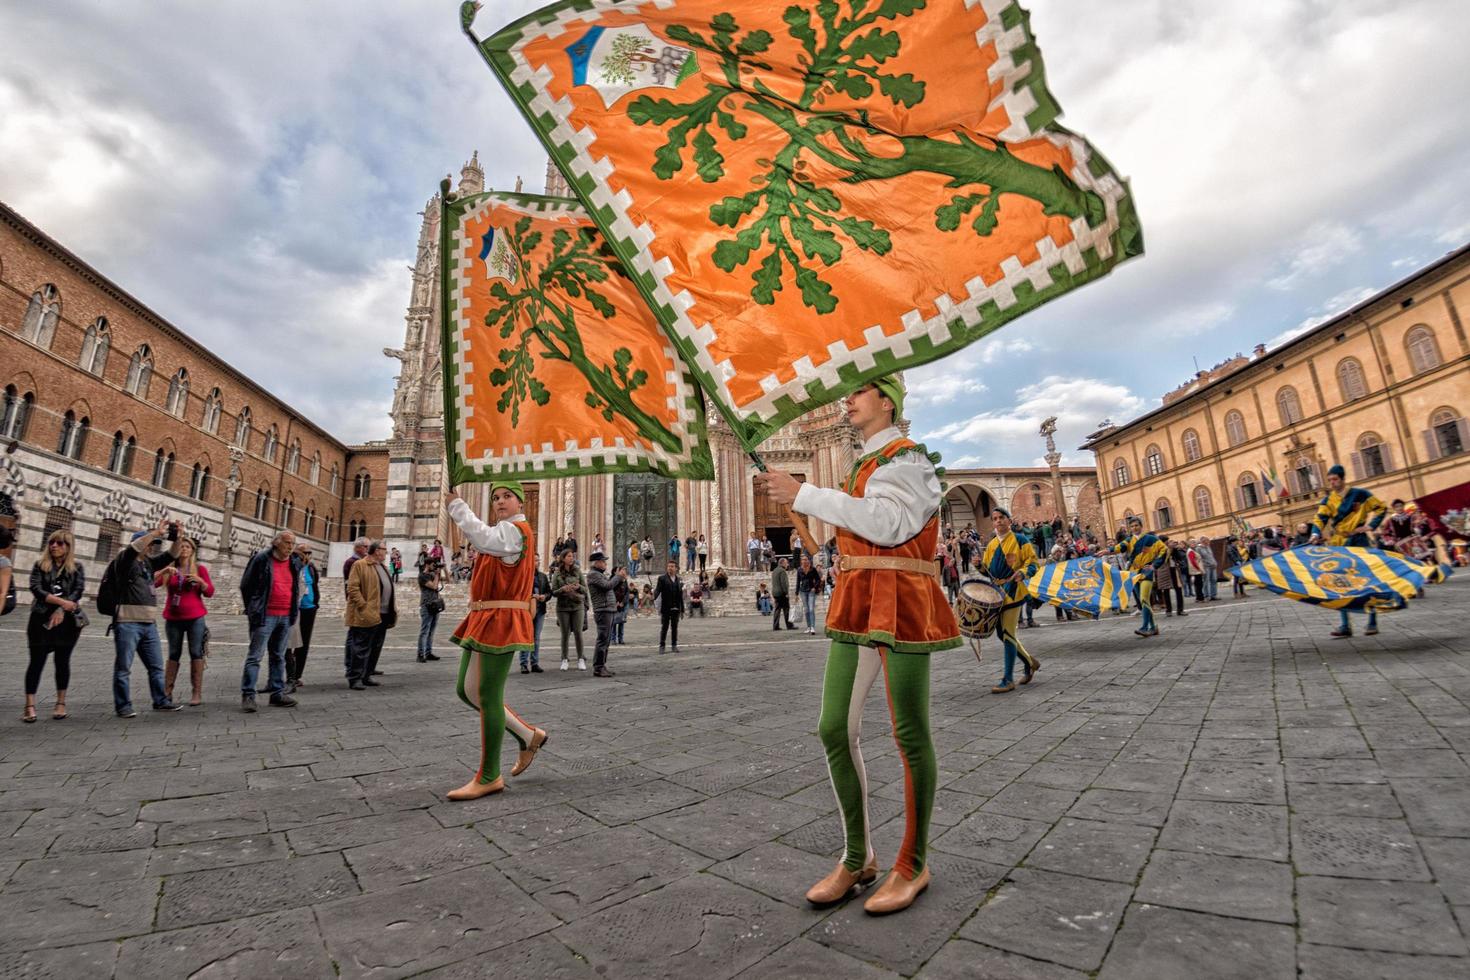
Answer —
1382 388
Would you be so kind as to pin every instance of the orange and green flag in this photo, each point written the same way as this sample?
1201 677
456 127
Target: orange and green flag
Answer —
809 194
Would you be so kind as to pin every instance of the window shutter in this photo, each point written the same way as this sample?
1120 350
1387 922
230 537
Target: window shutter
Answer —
1463 427
1239 499
1431 443
1386 452
1357 461
1293 485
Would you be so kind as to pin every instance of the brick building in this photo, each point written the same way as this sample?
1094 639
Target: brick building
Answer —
113 417
1027 492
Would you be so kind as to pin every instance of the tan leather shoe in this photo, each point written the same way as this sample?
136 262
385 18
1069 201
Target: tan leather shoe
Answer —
474 789
1031 668
1002 689
840 883
896 893
528 754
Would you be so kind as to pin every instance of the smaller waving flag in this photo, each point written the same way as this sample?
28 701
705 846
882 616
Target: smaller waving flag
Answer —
1268 483
1089 586
1337 577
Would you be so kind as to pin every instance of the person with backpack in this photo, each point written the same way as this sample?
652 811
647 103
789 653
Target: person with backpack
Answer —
56 620
270 591
126 596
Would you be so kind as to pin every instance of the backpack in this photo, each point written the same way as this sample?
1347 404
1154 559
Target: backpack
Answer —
108 591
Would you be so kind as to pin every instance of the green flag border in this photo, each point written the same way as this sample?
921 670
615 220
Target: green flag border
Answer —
750 431
698 466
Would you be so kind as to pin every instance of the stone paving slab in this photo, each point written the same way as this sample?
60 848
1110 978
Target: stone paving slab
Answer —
1240 797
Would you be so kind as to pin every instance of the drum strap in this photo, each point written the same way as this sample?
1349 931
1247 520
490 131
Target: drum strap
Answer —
890 562
480 605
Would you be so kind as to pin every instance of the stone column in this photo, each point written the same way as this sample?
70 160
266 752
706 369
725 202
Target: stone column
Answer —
1053 460
227 522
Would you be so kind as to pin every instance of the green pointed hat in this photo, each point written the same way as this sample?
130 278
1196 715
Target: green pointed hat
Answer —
891 386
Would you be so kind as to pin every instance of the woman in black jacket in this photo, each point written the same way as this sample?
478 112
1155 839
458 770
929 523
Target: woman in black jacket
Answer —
57 583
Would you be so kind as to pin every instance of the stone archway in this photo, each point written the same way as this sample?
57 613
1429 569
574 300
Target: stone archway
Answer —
968 503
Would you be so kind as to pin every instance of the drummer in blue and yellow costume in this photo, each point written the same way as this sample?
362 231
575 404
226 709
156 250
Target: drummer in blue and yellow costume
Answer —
1146 554
1344 518
1010 560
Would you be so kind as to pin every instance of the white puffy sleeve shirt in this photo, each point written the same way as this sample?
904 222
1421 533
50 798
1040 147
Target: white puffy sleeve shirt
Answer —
503 540
900 498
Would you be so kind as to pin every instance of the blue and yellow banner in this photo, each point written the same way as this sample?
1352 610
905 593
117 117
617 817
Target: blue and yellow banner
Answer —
1089 586
1338 577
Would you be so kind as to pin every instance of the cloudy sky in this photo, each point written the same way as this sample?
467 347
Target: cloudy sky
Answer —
254 172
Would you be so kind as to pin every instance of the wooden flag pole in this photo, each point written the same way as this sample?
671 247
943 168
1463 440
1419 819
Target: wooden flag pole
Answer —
810 543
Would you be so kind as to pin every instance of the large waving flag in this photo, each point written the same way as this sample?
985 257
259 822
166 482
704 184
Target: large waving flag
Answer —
813 193
1337 577
553 364
1089 586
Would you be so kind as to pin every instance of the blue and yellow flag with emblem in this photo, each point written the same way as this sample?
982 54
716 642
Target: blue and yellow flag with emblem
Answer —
1337 577
1089 586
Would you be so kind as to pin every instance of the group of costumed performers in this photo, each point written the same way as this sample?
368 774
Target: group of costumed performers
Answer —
1345 517
499 625
1145 555
888 614
1010 560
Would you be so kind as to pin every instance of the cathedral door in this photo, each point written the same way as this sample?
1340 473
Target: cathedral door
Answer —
774 520
644 505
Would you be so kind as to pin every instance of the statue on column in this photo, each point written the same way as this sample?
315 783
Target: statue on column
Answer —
1053 460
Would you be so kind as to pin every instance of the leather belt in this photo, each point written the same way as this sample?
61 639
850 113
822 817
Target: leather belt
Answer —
918 566
525 605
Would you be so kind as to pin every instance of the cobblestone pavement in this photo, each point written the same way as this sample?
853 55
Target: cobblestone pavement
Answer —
1240 797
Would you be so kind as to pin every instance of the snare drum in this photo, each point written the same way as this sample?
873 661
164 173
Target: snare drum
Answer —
978 608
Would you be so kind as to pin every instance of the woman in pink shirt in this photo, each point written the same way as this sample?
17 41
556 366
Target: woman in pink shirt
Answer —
183 615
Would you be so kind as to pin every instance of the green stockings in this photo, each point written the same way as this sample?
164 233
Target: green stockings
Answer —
850 674
482 686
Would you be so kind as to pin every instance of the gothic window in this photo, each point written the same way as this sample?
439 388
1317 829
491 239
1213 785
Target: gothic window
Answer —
1163 514
109 533
1247 494
1120 473
1448 434
196 479
17 413
242 428
316 469
204 484
96 342
1234 428
163 467
1351 380
1153 461
327 525
293 458
336 483
362 486
213 407
73 435
1289 406
272 441
262 501
178 393
1204 507
119 451
1423 349
308 520
140 372
39 325
57 519
287 505
1372 458
1190 439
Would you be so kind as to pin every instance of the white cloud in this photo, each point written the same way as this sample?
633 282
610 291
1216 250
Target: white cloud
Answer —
968 461
1344 300
1325 246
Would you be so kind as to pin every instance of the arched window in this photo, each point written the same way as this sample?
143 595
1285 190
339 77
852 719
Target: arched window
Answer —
308 520
57 519
1351 380
328 524
109 536
39 325
1448 434
1423 349
362 486
1204 507
1120 473
336 485
178 393
262 501
293 458
118 460
1153 461
73 435
1289 406
1373 457
1163 514
287 505
242 428
213 408
204 484
272 440
196 480
316 469
1234 428
1304 476
160 469
17 413
1190 441
96 342
140 372
1247 494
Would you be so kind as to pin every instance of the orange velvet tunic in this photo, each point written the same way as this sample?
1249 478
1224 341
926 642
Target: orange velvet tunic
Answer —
904 611
501 630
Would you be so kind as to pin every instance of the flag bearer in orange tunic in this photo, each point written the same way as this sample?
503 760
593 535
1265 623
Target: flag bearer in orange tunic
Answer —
887 615
498 625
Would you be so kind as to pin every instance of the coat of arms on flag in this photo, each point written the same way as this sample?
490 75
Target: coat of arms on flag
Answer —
811 193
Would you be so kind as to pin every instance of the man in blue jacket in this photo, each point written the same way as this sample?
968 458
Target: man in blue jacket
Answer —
269 590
